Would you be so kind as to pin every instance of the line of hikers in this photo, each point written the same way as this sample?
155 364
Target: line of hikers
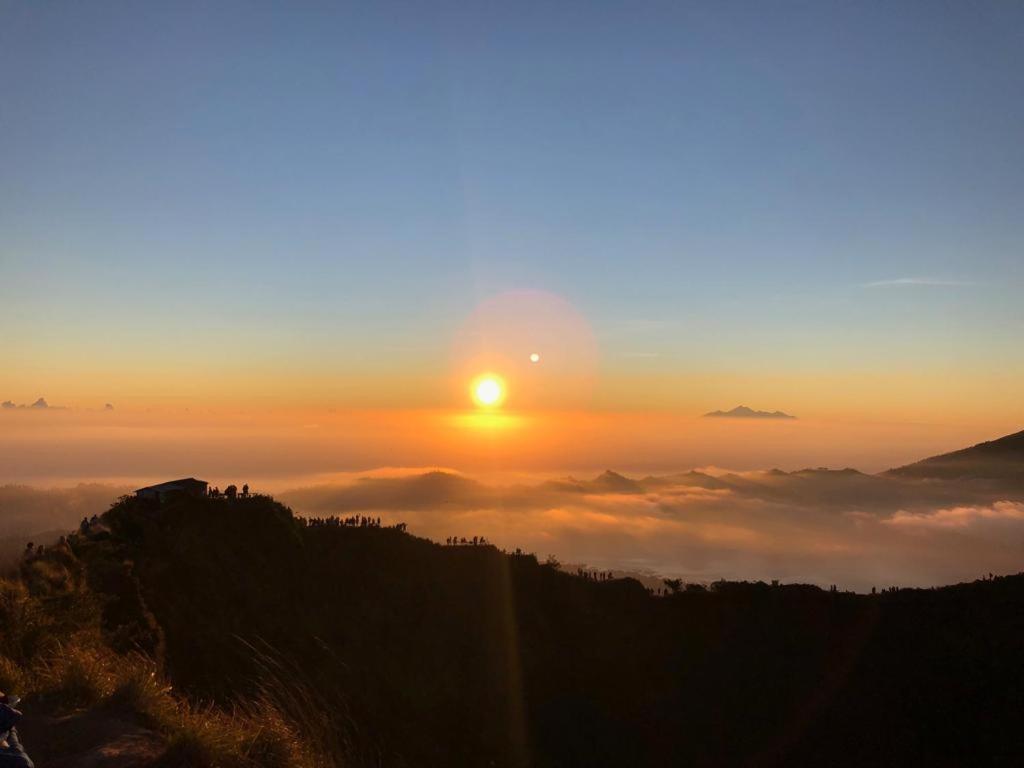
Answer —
455 541
355 521
594 575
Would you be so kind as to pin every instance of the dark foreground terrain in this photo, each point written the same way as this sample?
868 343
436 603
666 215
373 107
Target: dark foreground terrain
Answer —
384 649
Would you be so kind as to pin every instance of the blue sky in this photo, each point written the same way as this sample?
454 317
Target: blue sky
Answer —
715 185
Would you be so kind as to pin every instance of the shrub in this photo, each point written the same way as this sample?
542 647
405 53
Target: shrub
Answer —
208 737
142 691
76 676
12 678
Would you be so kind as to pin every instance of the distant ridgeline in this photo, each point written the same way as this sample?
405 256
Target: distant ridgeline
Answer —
995 460
426 655
742 412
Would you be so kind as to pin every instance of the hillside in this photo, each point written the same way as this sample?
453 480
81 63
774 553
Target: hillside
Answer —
995 460
416 654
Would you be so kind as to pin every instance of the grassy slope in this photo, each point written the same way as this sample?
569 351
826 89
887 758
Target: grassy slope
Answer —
428 655
326 645
97 697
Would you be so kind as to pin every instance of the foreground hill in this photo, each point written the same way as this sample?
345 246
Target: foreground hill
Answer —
415 654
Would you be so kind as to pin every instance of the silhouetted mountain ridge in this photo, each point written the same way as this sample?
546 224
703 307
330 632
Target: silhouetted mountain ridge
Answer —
998 460
464 655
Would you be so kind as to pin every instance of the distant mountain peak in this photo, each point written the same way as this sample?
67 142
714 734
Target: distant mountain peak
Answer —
614 482
743 412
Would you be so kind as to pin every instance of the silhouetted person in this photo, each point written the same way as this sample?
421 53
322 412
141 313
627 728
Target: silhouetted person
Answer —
245 491
12 754
231 491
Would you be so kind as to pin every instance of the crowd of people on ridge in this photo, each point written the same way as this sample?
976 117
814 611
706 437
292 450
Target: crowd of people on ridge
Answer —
476 541
355 521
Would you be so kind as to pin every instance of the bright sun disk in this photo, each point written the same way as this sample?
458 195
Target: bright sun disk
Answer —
488 390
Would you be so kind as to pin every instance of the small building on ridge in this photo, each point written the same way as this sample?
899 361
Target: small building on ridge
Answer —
188 486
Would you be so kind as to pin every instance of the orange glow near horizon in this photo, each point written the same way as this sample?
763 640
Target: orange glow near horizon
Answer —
487 420
280 447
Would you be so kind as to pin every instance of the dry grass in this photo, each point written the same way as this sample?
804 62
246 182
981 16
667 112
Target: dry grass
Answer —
53 653
76 676
256 734
208 737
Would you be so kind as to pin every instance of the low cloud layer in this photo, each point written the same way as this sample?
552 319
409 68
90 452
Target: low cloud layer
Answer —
821 526
1002 517
27 511
816 525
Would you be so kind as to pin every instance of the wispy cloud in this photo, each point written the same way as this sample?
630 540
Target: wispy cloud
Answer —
932 281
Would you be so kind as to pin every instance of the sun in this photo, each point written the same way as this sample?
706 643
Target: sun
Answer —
488 390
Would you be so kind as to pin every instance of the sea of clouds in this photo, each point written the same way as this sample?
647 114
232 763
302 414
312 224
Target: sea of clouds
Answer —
819 526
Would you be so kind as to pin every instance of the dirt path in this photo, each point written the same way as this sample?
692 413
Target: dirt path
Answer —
94 739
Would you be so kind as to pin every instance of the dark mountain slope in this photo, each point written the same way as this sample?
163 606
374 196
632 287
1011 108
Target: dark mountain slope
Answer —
996 460
427 655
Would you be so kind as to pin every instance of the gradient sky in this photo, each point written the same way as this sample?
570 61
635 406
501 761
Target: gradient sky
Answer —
817 207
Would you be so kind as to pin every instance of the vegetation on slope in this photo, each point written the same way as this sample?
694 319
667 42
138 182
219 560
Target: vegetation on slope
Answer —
78 644
367 646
